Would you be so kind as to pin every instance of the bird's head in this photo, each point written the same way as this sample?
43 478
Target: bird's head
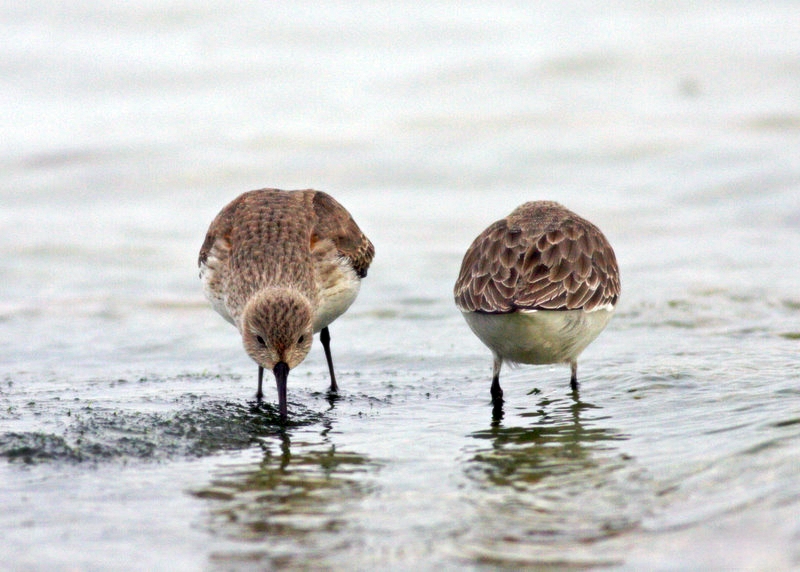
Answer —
276 327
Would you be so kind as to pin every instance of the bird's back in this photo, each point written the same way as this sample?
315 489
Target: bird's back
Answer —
540 257
268 238
260 239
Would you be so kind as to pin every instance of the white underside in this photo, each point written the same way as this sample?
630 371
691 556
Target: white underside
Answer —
216 298
336 294
538 336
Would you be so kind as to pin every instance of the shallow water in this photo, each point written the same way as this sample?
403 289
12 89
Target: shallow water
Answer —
128 433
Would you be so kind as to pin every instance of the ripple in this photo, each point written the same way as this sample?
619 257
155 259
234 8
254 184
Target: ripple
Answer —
290 506
98 434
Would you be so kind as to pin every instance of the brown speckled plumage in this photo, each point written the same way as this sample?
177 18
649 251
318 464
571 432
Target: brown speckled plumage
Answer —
538 287
259 230
540 257
281 265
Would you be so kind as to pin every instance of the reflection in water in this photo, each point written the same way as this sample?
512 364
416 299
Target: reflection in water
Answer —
558 442
555 488
289 507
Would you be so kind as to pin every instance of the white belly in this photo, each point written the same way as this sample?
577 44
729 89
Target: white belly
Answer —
213 289
338 287
539 336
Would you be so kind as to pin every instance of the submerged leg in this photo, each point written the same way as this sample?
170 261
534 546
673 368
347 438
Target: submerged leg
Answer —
260 393
497 392
573 380
497 412
325 338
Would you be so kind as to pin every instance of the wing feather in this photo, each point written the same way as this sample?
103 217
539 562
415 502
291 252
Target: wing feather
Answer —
538 260
333 222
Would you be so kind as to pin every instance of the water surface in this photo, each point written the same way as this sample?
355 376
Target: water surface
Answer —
128 433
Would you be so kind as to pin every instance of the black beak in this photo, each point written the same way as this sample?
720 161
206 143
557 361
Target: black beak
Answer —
281 371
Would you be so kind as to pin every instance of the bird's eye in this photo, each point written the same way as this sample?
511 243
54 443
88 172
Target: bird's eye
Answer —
301 339
261 340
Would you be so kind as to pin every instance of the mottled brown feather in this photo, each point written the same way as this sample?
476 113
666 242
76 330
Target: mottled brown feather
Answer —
256 231
333 222
541 257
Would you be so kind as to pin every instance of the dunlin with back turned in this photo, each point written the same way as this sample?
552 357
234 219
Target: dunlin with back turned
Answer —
537 287
281 266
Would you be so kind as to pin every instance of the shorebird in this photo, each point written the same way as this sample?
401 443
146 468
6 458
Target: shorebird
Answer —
281 266
537 287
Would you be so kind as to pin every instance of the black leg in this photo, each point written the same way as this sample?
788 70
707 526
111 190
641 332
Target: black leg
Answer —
325 338
497 392
497 411
573 380
260 393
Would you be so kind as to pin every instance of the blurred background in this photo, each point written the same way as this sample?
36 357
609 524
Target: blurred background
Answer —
674 126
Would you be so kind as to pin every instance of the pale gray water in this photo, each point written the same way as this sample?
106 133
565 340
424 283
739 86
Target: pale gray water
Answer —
127 433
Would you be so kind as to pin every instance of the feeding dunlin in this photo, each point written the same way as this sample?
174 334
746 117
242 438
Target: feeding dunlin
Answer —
537 287
281 266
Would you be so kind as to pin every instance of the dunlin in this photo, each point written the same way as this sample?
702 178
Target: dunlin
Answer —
281 266
537 287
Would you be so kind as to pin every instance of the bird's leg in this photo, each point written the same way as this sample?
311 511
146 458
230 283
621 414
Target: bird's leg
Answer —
325 338
497 412
497 392
260 393
573 380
